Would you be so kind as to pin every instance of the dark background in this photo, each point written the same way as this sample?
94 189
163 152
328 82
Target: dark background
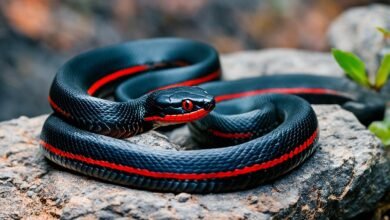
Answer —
37 36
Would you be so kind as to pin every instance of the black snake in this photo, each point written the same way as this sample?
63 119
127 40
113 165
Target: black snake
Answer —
255 133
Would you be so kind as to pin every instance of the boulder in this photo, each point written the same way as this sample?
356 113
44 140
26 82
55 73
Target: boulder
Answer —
278 61
355 31
346 176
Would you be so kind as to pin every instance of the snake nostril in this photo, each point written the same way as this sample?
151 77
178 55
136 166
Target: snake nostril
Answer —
210 105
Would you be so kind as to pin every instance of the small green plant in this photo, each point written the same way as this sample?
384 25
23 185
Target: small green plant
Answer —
382 74
353 66
355 69
382 130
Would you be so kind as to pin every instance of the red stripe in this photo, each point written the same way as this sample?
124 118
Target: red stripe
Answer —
180 63
114 76
230 135
193 82
320 91
58 109
184 176
179 118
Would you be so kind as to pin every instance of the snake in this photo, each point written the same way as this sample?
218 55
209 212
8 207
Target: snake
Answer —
250 131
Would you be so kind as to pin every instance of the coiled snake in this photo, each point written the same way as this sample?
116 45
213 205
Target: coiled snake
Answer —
255 133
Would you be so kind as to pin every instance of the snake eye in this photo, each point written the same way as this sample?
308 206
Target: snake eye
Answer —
187 105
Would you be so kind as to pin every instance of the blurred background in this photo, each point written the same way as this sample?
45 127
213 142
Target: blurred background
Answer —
38 36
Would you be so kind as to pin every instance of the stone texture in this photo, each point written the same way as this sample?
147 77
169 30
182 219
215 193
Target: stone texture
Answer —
278 61
346 176
355 31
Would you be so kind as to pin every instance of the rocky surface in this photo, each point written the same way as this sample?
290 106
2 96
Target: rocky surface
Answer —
345 177
355 31
278 61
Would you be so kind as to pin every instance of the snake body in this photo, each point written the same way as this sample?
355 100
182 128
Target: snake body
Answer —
256 133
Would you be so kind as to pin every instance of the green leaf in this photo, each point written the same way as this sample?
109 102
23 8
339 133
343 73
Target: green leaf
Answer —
383 72
386 122
384 31
381 130
353 66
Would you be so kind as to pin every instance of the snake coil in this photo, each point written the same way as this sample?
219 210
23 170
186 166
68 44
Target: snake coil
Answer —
257 134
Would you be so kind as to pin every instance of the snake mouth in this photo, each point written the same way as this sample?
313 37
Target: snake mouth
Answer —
180 118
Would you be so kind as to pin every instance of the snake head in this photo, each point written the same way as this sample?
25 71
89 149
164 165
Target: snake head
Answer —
178 105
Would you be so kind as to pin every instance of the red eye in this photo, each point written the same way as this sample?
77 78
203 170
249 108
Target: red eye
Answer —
187 105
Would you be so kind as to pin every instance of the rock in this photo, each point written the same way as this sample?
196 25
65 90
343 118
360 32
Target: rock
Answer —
355 31
183 197
278 61
346 176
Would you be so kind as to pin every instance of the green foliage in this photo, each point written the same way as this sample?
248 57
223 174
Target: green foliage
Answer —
353 66
384 31
382 130
383 72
